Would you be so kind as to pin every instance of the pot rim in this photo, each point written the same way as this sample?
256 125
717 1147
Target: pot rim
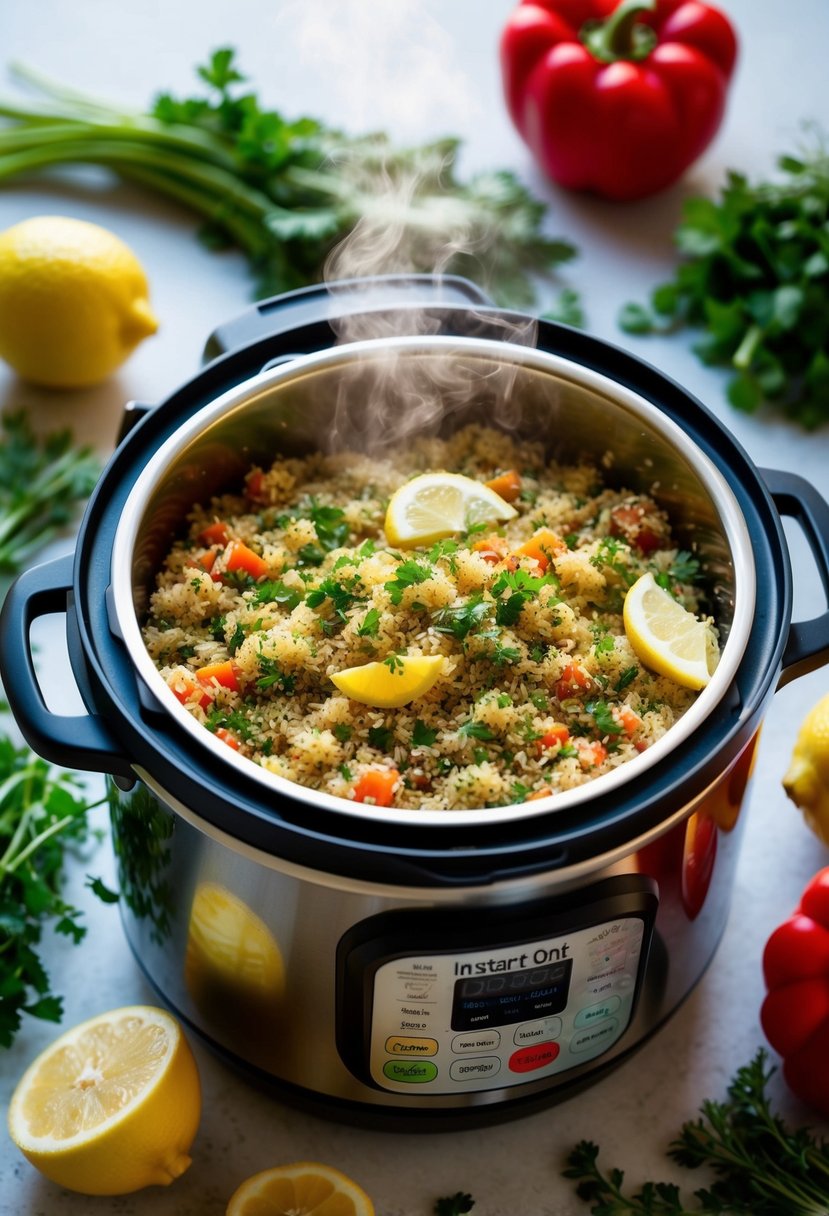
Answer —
728 509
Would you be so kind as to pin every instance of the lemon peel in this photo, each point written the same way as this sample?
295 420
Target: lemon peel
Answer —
668 638
112 1105
73 301
391 684
305 1187
807 779
435 505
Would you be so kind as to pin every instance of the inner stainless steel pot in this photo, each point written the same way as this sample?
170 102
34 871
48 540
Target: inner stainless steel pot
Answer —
375 396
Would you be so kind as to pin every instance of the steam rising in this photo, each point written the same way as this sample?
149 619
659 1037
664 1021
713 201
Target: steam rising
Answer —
399 72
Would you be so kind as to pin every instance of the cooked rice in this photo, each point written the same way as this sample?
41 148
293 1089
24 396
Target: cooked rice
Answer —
484 735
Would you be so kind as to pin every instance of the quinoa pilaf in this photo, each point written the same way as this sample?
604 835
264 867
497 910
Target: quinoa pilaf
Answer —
291 581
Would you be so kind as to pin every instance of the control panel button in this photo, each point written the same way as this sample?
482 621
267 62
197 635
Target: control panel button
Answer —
595 1036
472 1069
401 1045
528 1059
410 1072
487 1040
597 1012
537 1032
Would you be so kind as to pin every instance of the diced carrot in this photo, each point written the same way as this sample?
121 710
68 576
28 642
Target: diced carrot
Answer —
491 548
592 753
207 559
558 734
239 557
217 533
506 485
542 547
219 673
627 718
227 737
641 745
377 785
186 689
543 792
574 679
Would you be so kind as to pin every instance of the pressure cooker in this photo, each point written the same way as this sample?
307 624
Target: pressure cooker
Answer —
416 969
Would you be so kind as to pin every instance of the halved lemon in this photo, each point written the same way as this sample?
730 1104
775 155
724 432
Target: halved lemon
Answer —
667 637
390 684
112 1106
435 505
304 1189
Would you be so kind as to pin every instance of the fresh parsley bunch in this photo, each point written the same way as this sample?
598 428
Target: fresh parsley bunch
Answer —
755 280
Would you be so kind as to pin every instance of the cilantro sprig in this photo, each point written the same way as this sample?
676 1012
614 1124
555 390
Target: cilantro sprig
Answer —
43 818
754 280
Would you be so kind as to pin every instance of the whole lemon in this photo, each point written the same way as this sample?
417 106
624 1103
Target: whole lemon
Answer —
807 780
73 301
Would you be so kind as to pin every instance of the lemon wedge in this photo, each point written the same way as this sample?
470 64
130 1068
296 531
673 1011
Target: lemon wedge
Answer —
435 505
112 1106
300 1190
391 684
807 778
667 637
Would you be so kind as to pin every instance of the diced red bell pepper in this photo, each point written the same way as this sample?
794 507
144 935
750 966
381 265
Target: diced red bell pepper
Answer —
630 523
592 753
217 533
228 737
556 736
187 689
574 680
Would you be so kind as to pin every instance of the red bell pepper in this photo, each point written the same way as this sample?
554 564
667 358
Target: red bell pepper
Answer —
795 1013
617 98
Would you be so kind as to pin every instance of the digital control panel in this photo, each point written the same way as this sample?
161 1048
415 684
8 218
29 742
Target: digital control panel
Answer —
455 1021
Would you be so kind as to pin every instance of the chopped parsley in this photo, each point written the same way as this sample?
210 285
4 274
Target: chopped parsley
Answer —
408 574
627 677
381 737
476 730
460 619
422 736
271 675
342 594
602 713
370 626
229 719
611 554
511 591
277 593
342 732
394 663
236 639
683 569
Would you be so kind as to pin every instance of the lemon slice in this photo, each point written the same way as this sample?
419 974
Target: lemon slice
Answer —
300 1190
112 1105
435 505
667 637
392 684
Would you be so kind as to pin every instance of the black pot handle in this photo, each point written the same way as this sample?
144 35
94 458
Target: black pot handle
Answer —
808 644
72 741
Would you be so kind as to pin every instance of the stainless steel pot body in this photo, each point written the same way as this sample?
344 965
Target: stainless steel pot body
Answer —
268 960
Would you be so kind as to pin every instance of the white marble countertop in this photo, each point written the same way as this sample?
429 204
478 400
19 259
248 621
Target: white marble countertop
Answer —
421 69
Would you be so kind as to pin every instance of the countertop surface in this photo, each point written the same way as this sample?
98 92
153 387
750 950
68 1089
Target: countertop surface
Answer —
422 69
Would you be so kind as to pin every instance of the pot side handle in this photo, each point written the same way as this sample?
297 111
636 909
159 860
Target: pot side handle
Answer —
807 647
72 741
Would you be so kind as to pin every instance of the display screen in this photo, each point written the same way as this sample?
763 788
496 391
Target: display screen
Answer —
512 996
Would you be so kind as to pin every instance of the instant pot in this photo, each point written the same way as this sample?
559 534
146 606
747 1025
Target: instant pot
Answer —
416 969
